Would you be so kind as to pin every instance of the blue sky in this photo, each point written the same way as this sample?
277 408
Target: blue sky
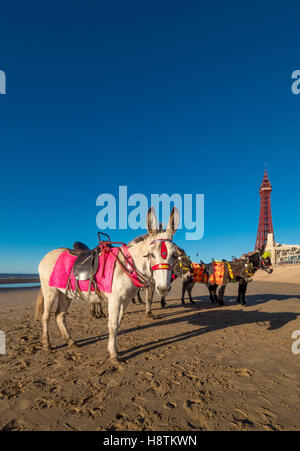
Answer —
164 97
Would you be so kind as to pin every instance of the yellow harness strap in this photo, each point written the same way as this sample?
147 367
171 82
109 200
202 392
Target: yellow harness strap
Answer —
249 272
182 267
230 271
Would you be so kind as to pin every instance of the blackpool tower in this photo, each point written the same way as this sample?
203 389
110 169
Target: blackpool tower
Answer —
265 225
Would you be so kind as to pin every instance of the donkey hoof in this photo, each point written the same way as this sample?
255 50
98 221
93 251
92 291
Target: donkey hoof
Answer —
47 348
72 344
150 315
116 362
98 315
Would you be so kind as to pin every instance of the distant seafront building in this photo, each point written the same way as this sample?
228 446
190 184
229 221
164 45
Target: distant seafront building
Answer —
280 253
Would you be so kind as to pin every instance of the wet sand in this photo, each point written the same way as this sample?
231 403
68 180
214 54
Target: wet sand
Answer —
10 280
194 367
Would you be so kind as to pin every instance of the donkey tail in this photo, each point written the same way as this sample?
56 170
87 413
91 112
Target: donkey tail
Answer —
39 308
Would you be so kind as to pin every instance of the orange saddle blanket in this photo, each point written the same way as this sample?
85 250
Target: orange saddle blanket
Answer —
200 275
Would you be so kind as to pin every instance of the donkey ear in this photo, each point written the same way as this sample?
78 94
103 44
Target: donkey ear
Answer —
173 221
151 220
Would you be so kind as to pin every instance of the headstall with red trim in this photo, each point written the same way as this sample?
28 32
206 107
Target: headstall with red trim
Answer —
164 254
162 266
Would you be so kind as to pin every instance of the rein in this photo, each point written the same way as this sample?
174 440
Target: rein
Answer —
141 281
137 277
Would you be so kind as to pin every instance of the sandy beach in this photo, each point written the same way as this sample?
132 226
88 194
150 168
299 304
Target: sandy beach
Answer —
194 367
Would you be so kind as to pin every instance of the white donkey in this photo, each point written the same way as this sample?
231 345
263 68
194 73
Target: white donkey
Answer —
153 257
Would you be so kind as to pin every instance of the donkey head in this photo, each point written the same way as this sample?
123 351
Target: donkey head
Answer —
162 250
264 260
183 266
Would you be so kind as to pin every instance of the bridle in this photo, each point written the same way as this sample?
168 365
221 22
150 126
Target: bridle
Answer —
264 267
138 278
261 264
163 253
183 264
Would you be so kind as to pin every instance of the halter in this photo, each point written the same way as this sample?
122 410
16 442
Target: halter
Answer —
183 267
164 254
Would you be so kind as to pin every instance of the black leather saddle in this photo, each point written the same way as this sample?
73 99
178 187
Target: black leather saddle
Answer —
85 266
79 247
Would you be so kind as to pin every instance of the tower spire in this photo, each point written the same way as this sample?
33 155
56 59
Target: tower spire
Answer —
265 224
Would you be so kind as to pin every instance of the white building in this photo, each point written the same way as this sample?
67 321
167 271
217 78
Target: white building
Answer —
282 253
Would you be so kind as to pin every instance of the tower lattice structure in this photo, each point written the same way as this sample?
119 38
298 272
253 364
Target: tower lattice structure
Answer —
265 224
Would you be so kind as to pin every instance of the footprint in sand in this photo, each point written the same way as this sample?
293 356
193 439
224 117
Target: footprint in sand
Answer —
169 405
244 372
193 406
195 411
239 414
267 414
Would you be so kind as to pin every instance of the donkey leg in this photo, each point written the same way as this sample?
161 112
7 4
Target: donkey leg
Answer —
121 313
139 297
163 303
113 325
211 293
97 310
93 309
184 286
50 295
123 308
244 289
60 314
215 287
240 291
149 299
189 290
221 294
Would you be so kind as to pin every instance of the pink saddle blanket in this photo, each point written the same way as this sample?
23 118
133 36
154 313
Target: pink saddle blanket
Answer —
64 264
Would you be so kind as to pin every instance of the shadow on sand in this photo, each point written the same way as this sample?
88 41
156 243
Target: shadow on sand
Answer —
208 320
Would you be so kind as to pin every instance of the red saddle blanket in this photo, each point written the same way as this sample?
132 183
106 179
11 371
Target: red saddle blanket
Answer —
103 277
201 276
